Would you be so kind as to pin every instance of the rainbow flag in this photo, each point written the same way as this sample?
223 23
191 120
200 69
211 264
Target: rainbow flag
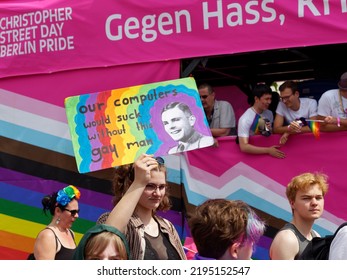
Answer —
314 126
255 124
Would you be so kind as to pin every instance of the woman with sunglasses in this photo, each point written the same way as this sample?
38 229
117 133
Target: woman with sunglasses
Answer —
57 240
140 190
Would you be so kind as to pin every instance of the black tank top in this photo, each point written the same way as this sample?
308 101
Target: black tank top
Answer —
301 239
64 253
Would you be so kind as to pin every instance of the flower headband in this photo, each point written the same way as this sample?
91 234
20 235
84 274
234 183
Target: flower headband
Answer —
67 194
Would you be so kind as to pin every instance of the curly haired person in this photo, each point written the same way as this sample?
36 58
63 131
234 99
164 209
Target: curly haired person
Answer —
140 190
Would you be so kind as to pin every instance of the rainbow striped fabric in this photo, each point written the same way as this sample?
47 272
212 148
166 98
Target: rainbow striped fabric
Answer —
314 126
255 124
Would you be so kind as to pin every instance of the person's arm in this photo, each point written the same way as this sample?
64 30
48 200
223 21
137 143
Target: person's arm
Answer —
246 147
312 114
293 128
297 126
227 120
338 248
285 246
218 132
332 124
278 128
325 112
278 125
45 245
122 212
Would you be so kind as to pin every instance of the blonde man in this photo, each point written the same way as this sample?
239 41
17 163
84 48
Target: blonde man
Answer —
305 194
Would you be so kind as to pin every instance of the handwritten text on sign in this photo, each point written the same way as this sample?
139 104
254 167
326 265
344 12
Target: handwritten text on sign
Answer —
114 127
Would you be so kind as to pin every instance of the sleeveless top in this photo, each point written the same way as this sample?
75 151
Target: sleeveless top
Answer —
303 242
64 253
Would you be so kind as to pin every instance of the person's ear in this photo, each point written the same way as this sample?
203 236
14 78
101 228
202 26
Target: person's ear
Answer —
233 250
192 120
57 210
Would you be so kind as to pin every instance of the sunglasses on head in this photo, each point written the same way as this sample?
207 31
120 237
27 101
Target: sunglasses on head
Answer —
160 160
151 187
72 212
131 174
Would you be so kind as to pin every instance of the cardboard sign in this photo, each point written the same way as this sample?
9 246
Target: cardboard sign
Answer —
114 127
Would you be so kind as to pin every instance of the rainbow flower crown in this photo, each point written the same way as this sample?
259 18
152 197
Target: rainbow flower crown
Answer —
65 195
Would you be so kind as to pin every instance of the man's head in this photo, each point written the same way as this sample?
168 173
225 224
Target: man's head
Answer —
178 121
262 95
207 96
225 229
343 82
305 194
290 95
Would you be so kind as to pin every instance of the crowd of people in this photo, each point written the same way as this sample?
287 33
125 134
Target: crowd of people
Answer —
292 116
221 229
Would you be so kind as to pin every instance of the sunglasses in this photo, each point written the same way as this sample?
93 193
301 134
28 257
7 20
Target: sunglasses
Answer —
151 187
160 160
72 212
203 96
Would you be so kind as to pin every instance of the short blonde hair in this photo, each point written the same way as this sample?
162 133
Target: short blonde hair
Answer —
303 181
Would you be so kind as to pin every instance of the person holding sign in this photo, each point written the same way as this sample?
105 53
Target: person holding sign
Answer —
258 120
140 189
178 122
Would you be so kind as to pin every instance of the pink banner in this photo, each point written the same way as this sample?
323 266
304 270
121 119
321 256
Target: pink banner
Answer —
57 35
56 87
260 180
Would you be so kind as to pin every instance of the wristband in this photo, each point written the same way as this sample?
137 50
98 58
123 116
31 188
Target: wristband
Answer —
338 121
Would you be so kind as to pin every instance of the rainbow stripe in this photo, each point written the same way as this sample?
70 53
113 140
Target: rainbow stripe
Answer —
114 127
314 126
255 124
